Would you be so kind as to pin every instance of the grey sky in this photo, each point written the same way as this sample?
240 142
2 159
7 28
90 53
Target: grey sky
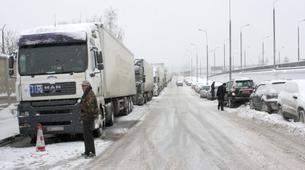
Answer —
161 31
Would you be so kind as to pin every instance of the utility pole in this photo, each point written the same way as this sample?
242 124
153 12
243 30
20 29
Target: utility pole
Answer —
299 38
241 44
224 57
263 49
274 34
196 48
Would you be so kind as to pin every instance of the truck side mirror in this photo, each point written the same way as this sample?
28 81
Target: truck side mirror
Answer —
100 57
11 62
100 66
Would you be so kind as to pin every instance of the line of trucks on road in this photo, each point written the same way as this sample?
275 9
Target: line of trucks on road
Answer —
51 64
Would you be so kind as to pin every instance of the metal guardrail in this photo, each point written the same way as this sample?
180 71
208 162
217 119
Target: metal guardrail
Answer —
292 65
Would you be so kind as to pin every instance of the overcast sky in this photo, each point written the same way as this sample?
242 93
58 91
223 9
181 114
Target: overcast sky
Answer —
162 30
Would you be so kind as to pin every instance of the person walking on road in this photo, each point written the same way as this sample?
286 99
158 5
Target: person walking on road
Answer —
89 111
221 91
213 90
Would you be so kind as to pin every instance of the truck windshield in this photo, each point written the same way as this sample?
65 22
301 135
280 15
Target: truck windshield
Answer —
52 59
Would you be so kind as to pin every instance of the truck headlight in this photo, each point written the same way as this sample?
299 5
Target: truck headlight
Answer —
24 114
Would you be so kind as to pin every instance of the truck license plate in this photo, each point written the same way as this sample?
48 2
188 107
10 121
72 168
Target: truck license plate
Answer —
55 128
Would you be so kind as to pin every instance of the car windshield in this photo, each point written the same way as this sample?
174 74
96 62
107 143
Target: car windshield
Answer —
52 59
244 83
205 88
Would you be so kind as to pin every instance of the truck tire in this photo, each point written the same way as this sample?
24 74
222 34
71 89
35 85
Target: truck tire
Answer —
109 115
99 131
126 109
131 106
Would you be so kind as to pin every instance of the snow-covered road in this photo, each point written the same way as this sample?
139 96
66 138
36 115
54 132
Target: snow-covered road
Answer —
182 131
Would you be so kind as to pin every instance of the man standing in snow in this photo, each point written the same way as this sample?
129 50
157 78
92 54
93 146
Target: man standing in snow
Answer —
213 90
89 111
221 91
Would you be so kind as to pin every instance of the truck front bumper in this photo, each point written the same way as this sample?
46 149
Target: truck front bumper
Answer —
56 117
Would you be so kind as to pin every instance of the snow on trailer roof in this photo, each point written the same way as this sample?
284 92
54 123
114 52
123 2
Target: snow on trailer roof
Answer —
60 33
82 27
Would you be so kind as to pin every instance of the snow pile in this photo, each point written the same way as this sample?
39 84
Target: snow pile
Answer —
275 120
8 122
56 156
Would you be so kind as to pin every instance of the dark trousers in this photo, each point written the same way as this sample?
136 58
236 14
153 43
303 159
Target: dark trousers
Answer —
88 136
220 104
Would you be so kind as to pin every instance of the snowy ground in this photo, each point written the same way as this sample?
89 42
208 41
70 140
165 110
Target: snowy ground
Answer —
63 155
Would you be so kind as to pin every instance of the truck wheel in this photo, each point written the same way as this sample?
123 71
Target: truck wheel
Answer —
98 132
109 115
126 110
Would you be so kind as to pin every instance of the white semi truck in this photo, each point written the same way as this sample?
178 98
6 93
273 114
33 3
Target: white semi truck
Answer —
144 81
52 62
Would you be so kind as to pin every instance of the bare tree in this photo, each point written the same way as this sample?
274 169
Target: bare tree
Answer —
10 41
111 23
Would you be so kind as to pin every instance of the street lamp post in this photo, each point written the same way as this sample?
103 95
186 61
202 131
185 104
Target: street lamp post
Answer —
196 48
241 44
207 53
274 34
299 38
263 48
230 42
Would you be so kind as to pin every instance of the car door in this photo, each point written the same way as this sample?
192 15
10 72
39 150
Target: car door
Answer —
294 99
288 100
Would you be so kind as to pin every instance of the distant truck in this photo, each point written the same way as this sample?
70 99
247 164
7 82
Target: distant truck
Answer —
52 62
144 82
159 78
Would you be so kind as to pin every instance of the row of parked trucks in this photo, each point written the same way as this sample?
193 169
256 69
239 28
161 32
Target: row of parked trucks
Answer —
51 64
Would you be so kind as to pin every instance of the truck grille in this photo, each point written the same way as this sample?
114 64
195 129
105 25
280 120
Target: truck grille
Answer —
47 89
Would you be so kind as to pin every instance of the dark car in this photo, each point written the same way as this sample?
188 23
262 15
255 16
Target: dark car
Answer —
265 96
179 83
238 91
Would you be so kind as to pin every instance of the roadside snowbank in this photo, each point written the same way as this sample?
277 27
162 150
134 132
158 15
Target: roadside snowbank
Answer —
8 122
275 120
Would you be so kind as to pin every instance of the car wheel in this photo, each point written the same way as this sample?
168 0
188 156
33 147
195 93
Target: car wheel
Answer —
302 116
230 103
251 105
281 112
265 107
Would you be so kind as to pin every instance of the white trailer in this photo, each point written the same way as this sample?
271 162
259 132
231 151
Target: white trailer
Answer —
53 61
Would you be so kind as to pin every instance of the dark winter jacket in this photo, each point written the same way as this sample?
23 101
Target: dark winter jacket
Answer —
221 91
89 108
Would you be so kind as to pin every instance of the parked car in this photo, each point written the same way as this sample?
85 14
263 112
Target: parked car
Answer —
239 91
291 100
179 83
204 91
198 87
209 93
265 96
